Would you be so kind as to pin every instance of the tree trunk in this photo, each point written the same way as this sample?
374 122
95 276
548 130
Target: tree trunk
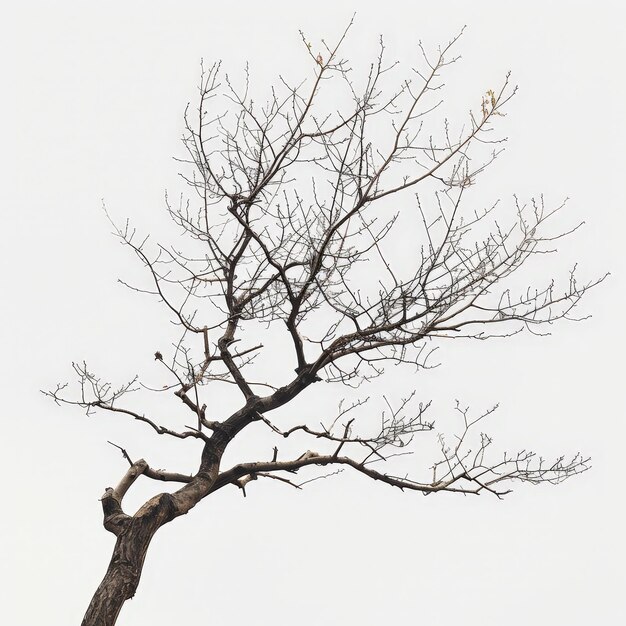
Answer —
122 577
135 533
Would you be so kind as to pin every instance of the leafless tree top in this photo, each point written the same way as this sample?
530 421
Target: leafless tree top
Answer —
337 212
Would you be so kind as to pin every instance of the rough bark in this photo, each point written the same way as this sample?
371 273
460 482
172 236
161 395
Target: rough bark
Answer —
134 533
122 577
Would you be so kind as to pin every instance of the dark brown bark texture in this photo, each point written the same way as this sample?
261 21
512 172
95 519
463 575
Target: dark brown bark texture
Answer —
135 533
122 577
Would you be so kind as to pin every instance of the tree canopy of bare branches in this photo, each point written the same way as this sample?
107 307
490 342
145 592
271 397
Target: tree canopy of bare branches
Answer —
338 215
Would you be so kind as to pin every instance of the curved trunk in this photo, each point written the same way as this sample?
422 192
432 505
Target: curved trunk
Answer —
122 577
135 533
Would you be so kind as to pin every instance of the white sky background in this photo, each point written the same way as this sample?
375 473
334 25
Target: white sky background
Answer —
92 109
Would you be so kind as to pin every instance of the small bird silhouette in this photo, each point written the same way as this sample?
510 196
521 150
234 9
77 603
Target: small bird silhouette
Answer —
320 60
158 356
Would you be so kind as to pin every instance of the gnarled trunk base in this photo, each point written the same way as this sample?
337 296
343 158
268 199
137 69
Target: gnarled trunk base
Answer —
122 577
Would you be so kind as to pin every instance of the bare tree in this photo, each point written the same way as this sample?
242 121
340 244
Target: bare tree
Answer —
293 232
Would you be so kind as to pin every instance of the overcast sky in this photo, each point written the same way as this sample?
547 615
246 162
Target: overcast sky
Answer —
91 110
